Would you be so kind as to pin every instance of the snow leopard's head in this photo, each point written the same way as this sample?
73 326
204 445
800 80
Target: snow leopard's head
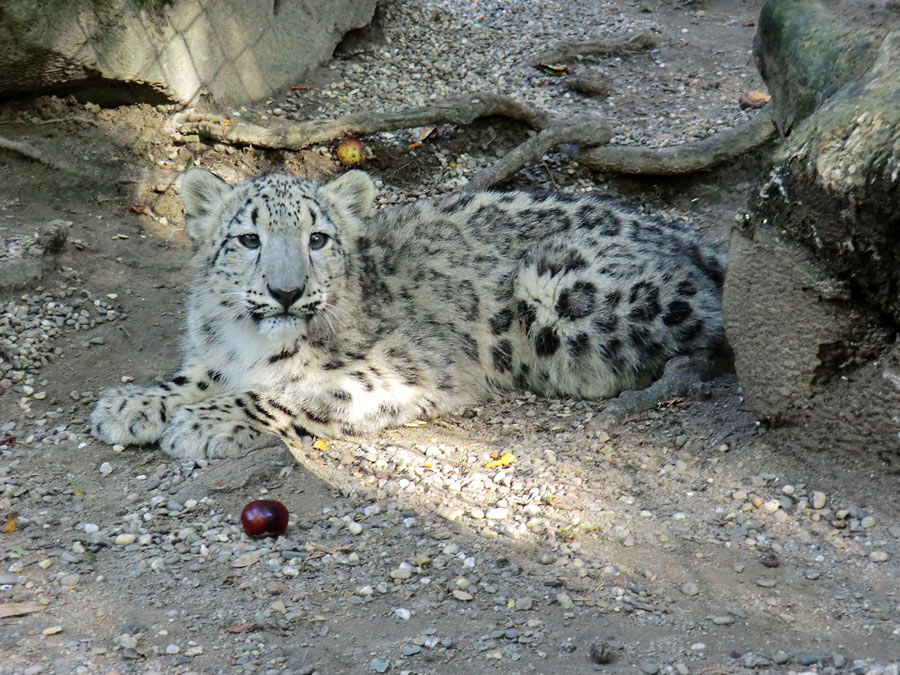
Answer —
273 252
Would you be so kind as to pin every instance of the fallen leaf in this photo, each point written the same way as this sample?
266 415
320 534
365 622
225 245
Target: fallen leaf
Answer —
247 559
425 133
413 146
299 88
551 69
754 99
139 208
243 627
19 551
120 236
505 460
19 609
320 444
10 524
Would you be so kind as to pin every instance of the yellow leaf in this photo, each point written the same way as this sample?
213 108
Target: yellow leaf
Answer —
19 608
321 444
505 460
9 526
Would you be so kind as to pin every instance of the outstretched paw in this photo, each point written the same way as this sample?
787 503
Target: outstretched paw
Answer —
195 434
130 415
683 376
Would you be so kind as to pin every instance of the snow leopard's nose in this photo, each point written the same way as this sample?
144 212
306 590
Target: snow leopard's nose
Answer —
286 298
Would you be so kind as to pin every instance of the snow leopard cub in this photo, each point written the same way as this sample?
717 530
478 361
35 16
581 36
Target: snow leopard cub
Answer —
310 313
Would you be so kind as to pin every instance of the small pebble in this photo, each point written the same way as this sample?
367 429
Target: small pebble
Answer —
770 560
401 573
125 539
70 580
379 665
689 588
649 667
524 604
878 556
52 630
818 500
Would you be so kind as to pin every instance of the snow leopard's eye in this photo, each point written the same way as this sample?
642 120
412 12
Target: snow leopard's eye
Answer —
249 240
317 240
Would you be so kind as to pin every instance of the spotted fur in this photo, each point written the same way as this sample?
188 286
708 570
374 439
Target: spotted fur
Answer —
308 314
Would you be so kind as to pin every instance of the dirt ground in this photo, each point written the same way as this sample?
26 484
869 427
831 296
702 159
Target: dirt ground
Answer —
684 540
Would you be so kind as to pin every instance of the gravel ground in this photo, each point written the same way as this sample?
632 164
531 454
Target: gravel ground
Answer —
517 537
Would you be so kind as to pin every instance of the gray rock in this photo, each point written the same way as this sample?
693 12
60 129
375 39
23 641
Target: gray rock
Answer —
236 51
802 301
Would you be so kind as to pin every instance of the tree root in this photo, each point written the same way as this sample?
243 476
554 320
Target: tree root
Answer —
31 152
296 136
584 130
566 51
681 159
588 131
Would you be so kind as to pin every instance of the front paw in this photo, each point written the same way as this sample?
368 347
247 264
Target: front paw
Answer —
129 415
196 434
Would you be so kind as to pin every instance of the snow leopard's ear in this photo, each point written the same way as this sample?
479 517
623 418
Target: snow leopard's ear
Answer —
354 191
202 192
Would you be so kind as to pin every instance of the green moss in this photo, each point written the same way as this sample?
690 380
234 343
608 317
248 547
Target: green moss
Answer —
806 54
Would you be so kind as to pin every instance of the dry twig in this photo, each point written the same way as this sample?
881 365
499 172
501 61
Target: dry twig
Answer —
584 130
296 136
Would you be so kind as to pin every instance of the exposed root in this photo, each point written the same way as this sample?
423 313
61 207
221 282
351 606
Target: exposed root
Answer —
31 152
588 131
681 159
296 136
585 130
